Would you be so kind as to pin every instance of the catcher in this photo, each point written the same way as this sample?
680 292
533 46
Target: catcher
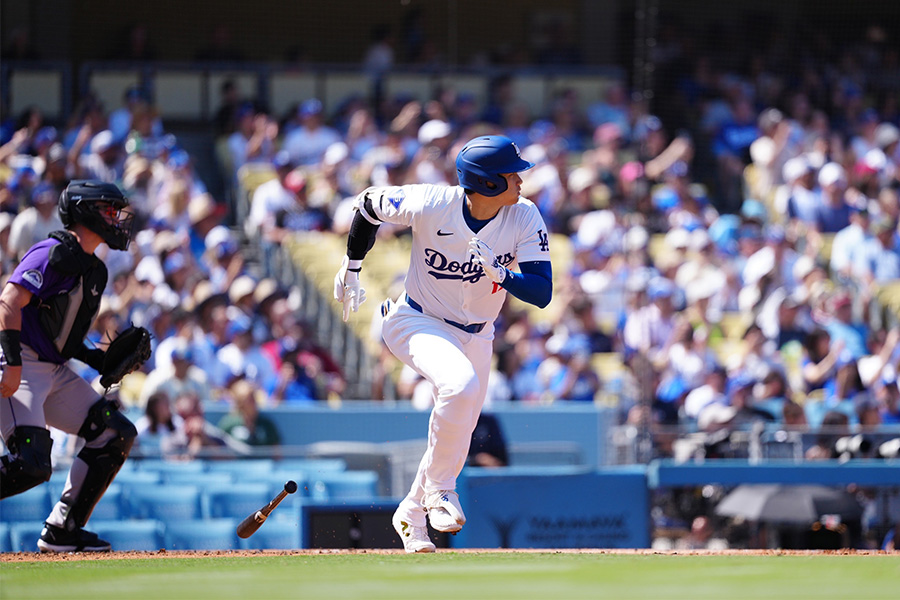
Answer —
46 309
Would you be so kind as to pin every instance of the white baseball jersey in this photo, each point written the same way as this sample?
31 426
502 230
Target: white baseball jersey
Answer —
442 276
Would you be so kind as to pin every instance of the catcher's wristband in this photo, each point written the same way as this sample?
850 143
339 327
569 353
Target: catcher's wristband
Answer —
11 344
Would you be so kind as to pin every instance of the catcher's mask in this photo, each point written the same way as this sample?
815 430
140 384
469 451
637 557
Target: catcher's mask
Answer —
99 206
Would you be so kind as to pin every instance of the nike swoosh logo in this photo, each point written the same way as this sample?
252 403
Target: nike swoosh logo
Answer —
94 290
443 233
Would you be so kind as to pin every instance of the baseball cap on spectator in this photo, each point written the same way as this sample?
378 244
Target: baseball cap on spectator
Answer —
803 267
869 116
769 118
174 262
631 171
704 287
434 129
714 415
580 179
886 134
540 131
678 239
221 241
832 173
311 107
283 160
636 238
178 159
245 109
336 154
44 193
754 210
23 178
102 141
738 383
700 239
148 270
775 234
795 168
44 136
660 287
240 288
239 326
645 126
201 207
267 289
182 351
56 153
606 133
760 264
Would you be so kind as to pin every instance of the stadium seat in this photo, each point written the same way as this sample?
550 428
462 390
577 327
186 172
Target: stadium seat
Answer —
24 536
203 478
275 534
141 535
311 467
348 485
30 505
201 534
164 502
236 500
163 467
241 469
5 544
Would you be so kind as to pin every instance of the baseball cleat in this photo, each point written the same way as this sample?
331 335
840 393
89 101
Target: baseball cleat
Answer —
58 539
415 539
444 511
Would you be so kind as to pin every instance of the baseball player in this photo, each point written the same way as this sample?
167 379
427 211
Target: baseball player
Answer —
466 241
46 309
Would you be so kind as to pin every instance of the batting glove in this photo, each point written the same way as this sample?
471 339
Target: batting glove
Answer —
484 256
347 289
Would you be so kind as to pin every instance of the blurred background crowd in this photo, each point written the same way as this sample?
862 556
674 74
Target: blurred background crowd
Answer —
728 245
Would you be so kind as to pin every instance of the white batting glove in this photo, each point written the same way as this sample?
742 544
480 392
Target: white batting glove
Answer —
347 289
484 256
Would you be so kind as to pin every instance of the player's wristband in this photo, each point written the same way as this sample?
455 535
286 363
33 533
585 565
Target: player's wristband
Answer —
10 343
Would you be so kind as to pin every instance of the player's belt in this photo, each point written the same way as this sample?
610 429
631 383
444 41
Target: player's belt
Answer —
471 328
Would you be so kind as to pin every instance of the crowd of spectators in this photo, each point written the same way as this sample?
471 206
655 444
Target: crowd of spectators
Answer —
731 266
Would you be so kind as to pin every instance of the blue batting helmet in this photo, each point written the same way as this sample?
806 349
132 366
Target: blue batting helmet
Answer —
483 160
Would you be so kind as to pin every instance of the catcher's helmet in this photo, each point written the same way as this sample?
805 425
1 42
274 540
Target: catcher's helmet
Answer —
98 206
482 160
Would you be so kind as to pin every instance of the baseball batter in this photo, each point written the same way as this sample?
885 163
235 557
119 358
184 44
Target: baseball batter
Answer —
46 309
466 241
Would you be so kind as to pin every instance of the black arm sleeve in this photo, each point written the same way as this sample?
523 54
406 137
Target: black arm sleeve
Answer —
362 237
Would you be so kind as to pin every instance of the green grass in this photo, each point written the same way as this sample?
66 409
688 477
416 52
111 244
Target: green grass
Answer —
460 576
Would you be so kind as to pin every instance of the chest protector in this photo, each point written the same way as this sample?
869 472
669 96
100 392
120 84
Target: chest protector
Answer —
66 317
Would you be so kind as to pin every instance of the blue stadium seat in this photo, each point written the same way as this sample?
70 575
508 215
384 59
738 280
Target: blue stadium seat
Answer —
163 467
275 534
202 478
143 535
24 536
164 502
242 470
347 485
235 500
109 507
202 534
5 544
30 505
310 468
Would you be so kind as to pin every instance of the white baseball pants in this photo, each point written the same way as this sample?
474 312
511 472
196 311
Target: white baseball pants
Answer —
457 364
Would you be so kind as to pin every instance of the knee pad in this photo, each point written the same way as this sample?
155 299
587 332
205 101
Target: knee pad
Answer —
28 463
103 415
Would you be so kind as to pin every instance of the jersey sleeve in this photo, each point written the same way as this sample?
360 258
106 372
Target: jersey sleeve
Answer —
399 205
34 273
534 243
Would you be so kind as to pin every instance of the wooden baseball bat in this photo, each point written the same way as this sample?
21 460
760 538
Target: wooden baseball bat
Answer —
253 521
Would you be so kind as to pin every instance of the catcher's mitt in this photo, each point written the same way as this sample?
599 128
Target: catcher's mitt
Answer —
125 354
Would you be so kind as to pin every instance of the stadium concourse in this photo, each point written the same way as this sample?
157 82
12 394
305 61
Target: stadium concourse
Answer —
737 271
